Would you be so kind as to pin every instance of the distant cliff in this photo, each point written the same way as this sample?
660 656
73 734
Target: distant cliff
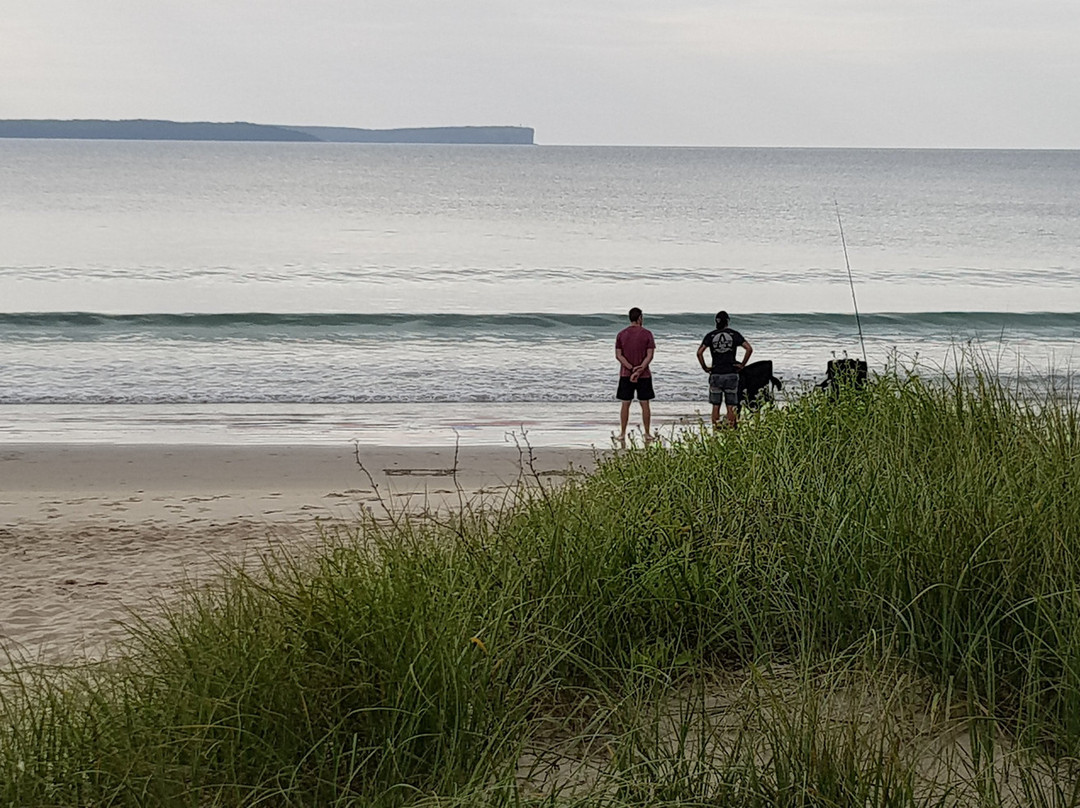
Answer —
149 130
174 130
519 135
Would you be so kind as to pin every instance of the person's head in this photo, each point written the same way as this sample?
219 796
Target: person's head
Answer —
721 319
635 315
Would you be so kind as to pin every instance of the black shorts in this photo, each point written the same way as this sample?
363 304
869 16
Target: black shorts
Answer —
627 388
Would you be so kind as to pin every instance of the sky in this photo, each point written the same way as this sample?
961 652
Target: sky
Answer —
818 73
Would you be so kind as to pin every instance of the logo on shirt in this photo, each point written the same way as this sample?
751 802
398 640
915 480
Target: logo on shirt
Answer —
722 342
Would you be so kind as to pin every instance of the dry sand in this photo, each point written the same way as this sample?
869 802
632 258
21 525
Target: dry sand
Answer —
89 532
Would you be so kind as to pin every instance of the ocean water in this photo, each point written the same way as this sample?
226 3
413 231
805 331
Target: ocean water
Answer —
260 292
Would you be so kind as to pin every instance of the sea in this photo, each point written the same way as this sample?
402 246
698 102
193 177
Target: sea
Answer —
235 293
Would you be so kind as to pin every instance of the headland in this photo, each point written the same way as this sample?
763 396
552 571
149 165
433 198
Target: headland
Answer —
242 131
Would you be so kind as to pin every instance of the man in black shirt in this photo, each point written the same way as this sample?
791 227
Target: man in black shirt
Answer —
722 342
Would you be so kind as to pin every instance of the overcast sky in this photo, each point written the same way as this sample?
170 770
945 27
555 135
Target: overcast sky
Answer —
917 73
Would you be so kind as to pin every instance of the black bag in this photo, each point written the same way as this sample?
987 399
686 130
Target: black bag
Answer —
844 373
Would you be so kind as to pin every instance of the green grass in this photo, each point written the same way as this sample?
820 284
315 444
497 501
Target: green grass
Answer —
787 614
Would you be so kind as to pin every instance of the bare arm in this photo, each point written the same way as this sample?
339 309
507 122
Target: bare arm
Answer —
648 358
701 357
746 356
623 360
635 373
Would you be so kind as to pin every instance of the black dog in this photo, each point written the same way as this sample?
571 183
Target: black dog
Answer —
756 382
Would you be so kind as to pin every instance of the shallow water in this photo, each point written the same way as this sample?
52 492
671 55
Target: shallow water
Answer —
449 277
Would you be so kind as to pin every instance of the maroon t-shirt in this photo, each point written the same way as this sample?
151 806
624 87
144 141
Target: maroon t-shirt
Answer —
635 341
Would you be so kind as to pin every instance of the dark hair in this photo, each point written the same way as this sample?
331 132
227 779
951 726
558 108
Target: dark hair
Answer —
721 319
635 314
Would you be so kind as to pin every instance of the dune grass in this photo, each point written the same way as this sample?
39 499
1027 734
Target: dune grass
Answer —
868 599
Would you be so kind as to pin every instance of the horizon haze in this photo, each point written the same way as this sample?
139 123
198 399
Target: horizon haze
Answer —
797 73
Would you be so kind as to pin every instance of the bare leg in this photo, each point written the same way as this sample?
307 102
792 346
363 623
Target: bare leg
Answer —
716 416
646 419
624 419
732 416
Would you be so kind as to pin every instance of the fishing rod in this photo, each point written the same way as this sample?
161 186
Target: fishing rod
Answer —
851 282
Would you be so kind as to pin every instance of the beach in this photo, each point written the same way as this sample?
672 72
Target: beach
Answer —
91 532
213 353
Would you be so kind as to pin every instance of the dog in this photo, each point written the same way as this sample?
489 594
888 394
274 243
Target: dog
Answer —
756 383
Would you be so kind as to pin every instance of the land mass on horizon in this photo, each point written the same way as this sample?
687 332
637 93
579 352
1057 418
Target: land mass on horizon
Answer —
141 129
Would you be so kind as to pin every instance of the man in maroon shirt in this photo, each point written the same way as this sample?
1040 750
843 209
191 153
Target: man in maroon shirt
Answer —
634 348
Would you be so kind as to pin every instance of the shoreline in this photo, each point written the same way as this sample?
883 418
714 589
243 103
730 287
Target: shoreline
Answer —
580 425
90 532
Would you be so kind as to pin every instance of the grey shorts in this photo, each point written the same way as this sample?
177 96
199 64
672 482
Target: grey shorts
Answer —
724 389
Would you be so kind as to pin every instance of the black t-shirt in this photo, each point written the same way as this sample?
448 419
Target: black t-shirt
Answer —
722 343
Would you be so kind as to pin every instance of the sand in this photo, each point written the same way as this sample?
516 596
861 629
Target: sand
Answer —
91 532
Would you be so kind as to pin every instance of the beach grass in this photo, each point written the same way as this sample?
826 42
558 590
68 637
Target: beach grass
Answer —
865 598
